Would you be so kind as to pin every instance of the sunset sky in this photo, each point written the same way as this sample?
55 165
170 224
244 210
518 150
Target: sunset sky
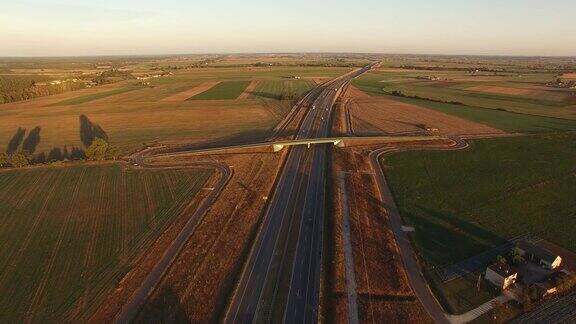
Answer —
82 27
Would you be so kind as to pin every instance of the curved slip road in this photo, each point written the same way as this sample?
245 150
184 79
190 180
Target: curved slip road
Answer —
415 277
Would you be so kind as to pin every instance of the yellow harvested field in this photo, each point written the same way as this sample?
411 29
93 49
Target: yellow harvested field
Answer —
501 90
181 96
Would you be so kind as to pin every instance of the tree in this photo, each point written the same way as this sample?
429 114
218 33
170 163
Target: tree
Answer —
97 151
101 150
516 256
112 153
4 160
65 154
19 160
40 158
31 142
16 140
77 154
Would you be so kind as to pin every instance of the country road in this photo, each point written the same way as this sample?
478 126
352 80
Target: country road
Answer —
281 279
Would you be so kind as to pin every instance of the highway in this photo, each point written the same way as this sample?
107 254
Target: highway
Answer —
281 279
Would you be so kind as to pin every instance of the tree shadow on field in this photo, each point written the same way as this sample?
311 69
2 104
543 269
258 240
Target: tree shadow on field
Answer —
451 237
165 307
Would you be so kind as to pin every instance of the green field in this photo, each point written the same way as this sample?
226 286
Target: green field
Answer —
91 97
223 91
503 118
536 101
69 235
463 202
282 89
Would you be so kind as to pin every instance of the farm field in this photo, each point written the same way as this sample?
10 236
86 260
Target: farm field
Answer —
463 202
282 89
525 94
91 97
195 90
71 234
504 120
379 116
134 115
200 286
130 125
222 91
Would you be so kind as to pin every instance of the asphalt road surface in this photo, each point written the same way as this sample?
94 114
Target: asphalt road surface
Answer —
297 206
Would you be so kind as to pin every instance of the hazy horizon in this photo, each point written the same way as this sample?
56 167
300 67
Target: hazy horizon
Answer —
32 28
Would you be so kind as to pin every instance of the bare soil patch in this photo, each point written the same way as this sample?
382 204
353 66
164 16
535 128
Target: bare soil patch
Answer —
181 96
569 75
382 284
356 93
501 90
381 116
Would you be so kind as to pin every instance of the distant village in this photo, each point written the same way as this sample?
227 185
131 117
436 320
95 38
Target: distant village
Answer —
562 84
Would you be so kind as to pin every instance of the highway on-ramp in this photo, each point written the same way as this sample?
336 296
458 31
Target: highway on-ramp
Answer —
290 238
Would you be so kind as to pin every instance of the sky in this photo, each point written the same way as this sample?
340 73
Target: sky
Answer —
122 27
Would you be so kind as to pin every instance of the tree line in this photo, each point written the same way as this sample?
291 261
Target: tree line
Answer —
24 87
21 149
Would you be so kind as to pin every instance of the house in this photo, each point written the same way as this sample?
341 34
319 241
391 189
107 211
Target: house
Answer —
539 255
501 275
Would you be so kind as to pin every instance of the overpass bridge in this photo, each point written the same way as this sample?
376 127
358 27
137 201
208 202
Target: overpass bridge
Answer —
278 146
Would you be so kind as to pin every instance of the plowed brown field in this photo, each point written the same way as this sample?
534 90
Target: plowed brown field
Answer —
380 116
